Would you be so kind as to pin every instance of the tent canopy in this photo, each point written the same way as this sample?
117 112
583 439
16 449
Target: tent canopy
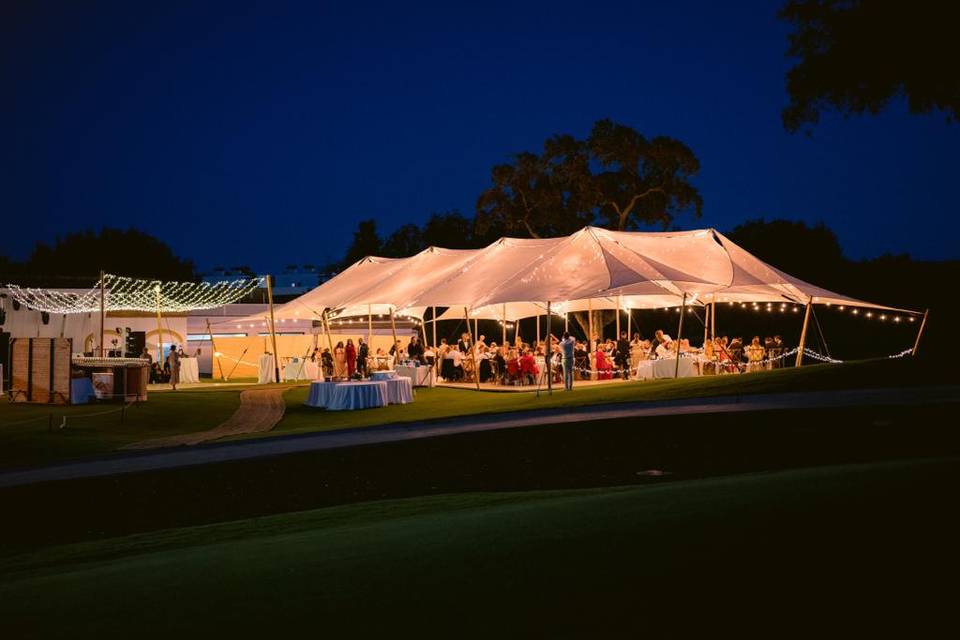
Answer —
595 268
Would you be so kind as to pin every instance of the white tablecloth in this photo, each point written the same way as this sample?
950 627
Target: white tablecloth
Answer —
301 370
348 396
665 368
399 390
321 393
189 370
422 376
265 369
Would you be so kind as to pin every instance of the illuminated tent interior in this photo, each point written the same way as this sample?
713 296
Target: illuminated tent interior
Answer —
593 268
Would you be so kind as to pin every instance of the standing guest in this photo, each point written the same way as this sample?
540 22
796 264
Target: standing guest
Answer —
145 355
350 353
568 348
464 344
339 361
173 361
623 355
326 362
363 352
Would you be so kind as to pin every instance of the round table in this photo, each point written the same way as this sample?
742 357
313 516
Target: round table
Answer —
320 394
399 390
349 396
189 370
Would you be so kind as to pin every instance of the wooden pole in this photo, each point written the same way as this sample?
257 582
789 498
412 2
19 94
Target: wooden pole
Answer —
566 321
393 330
592 360
803 333
103 310
273 332
326 330
538 328
619 305
434 321
923 324
370 324
213 354
629 323
713 320
159 329
706 325
503 331
473 350
548 354
683 312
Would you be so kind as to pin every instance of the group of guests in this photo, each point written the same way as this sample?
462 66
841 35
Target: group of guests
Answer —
355 361
730 355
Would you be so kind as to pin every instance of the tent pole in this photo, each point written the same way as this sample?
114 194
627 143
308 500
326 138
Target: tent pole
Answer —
473 350
803 333
326 330
566 321
103 314
434 321
683 312
423 331
369 324
538 328
619 307
503 331
273 331
629 323
590 348
706 325
548 355
213 347
923 324
393 330
713 320
159 329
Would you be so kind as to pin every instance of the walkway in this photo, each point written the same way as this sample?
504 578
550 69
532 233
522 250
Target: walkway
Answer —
260 410
298 443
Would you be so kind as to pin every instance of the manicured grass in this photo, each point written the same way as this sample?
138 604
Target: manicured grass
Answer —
445 402
30 434
854 545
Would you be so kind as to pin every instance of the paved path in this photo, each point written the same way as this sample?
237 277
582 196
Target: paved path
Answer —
280 445
260 410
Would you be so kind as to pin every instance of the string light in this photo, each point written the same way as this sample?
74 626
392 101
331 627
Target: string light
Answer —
131 294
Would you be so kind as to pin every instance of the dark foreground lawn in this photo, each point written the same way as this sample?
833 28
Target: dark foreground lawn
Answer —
856 550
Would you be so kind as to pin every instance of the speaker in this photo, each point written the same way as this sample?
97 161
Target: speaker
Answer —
5 358
134 343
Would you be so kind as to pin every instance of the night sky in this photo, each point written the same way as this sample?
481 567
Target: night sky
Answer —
260 134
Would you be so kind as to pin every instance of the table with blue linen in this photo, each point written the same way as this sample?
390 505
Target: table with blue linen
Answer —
349 396
320 394
399 390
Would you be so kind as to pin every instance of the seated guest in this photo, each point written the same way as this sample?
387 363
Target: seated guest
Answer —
581 360
754 353
452 366
528 367
666 348
604 365
655 343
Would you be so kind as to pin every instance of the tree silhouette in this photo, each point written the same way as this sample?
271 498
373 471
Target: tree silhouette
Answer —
365 243
405 241
811 253
855 55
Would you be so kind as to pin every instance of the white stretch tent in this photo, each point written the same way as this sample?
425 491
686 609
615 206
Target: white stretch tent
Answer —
593 268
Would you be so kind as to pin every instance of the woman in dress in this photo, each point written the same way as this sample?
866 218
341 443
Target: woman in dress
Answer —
637 352
350 352
173 360
755 353
339 361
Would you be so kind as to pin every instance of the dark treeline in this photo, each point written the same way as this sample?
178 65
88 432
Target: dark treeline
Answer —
77 258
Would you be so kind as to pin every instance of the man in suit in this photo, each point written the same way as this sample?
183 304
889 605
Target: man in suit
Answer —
363 351
415 350
623 355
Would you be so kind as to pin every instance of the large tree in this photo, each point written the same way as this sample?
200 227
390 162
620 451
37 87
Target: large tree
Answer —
123 252
812 253
641 181
366 242
405 241
616 176
855 55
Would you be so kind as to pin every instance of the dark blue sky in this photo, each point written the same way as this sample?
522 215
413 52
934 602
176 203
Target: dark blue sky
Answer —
260 134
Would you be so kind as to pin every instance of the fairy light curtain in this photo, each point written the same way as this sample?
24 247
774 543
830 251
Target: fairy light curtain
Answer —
132 294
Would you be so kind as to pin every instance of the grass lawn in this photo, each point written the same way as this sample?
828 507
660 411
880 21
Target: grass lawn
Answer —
445 402
26 436
848 549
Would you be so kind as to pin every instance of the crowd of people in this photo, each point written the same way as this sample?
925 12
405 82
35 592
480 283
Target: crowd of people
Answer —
522 362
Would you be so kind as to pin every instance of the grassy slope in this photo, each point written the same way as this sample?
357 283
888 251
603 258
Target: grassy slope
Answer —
25 438
443 403
793 545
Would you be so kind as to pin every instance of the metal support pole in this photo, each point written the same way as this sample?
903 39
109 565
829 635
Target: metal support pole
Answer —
803 333
923 324
273 332
548 354
683 312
